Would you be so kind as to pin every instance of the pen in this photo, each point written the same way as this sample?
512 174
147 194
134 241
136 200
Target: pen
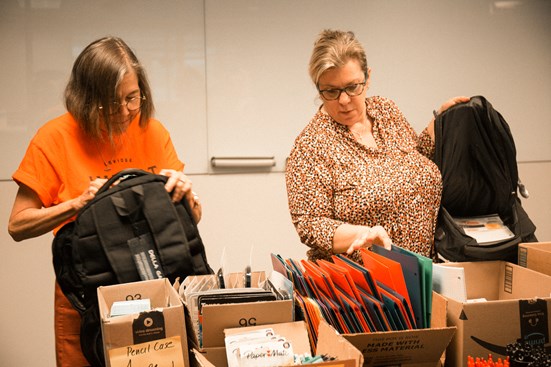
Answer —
220 275
247 276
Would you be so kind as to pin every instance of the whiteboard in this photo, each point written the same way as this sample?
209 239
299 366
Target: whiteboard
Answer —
421 53
40 39
230 78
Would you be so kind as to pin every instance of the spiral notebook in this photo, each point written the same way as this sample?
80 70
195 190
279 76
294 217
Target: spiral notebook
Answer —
486 230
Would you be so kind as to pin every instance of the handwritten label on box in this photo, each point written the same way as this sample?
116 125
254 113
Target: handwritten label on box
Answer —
165 352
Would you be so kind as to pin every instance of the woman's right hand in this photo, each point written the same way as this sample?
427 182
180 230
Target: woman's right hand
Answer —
376 235
351 237
89 193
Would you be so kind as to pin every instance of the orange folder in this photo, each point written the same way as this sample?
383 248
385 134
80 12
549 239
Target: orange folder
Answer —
328 294
340 277
386 271
312 314
320 279
350 294
361 276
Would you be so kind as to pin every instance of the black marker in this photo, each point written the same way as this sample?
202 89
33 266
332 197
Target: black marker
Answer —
247 276
220 275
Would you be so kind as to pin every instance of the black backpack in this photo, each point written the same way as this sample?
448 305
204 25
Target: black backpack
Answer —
130 231
476 155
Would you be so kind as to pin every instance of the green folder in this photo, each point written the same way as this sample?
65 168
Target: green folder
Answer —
425 271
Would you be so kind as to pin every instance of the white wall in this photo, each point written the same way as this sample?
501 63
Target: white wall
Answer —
241 211
229 78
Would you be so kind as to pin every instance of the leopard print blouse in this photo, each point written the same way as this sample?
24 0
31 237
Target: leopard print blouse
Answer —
332 179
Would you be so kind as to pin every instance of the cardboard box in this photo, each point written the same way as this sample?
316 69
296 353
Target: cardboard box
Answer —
217 318
411 348
164 324
535 256
505 302
297 333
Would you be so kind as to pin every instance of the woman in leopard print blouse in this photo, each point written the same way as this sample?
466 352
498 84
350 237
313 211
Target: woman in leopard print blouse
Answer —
358 174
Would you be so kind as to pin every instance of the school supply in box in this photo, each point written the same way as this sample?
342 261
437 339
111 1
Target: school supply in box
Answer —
261 347
337 299
487 230
392 290
417 271
476 154
130 231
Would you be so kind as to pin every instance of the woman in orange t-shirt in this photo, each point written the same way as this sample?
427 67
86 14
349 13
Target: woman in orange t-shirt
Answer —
108 127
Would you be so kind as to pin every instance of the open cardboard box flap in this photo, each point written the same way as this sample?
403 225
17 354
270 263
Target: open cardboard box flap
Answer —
535 256
419 347
422 347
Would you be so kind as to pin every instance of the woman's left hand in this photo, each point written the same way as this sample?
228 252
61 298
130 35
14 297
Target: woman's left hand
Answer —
452 102
181 187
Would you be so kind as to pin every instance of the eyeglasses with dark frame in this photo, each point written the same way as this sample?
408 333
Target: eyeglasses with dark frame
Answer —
352 90
133 104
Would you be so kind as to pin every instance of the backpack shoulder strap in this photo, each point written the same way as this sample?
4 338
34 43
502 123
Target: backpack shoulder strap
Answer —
508 147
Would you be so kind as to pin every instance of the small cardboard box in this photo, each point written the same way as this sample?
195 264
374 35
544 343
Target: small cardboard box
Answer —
217 317
535 256
505 302
146 330
296 332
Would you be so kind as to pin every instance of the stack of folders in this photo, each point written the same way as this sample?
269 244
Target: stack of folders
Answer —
392 290
197 291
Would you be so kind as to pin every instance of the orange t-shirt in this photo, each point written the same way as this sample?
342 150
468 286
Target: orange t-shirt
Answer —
61 161
59 164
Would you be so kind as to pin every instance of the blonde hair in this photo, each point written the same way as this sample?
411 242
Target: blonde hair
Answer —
333 49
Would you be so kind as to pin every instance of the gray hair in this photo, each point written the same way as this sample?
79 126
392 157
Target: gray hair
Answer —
95 77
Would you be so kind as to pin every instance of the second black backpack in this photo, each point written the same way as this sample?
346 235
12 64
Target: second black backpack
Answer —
476 155
130 231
